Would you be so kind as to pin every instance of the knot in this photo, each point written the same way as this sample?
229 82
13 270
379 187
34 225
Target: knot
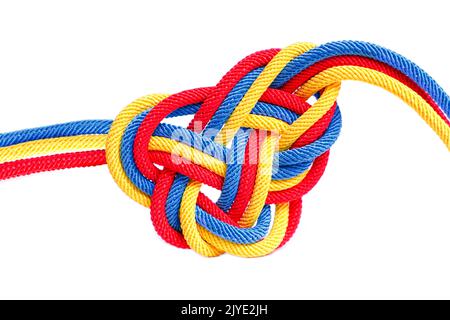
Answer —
253 137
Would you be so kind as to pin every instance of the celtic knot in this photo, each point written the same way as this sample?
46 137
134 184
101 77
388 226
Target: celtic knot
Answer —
261 138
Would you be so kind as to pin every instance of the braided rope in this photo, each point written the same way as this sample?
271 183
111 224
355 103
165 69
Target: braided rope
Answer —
253 136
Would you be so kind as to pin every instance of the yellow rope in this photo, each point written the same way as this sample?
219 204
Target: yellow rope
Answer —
51 146
337 74
114 140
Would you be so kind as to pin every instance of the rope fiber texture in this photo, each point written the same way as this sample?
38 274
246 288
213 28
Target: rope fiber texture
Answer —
253 136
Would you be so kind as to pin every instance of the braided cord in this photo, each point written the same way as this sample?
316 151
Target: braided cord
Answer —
425 111
253 136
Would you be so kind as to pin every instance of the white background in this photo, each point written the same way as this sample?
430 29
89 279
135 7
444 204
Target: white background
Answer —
376 225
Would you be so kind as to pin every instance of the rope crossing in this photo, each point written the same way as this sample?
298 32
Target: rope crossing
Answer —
253 136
